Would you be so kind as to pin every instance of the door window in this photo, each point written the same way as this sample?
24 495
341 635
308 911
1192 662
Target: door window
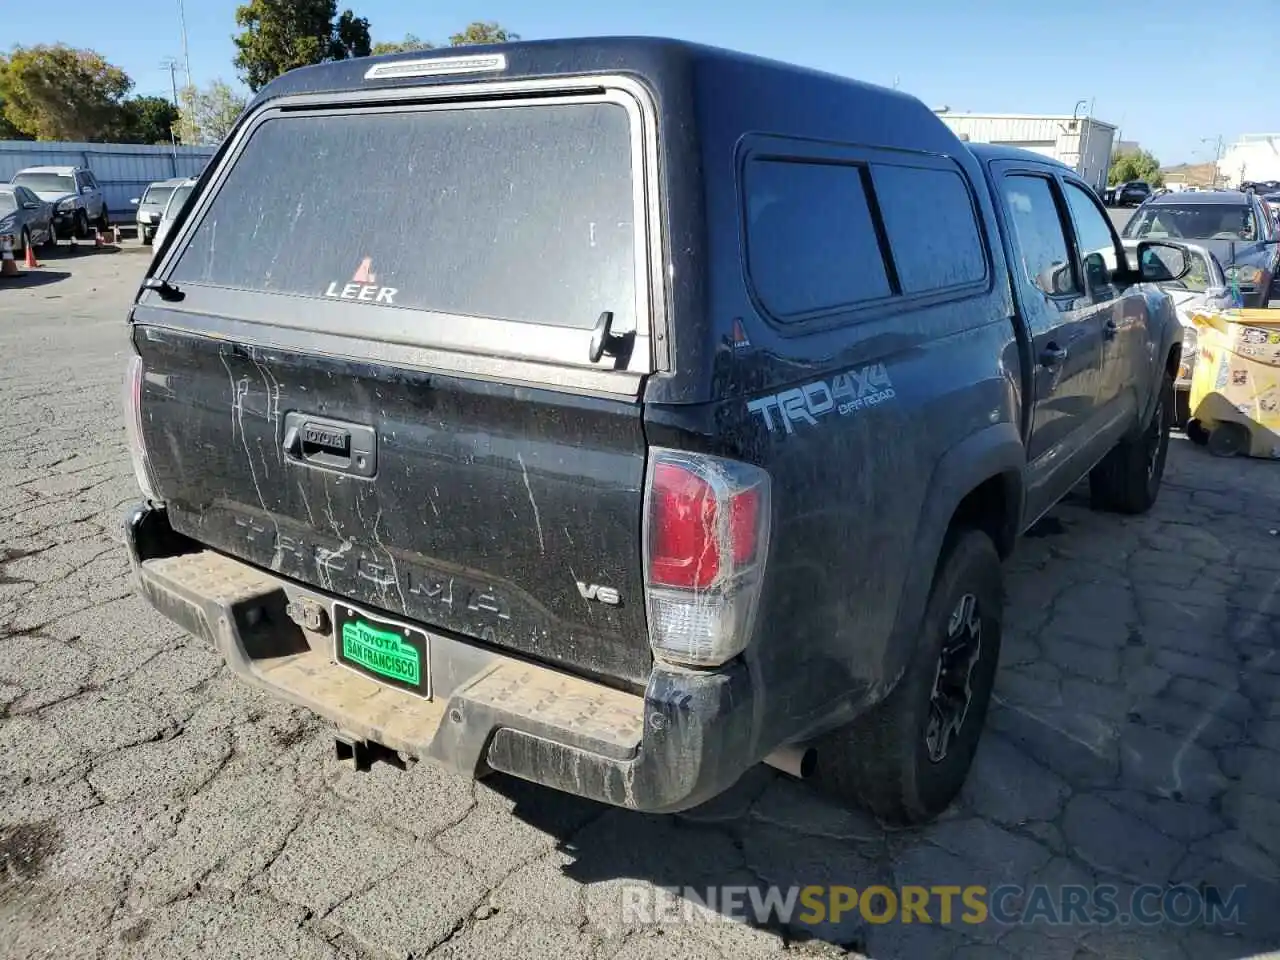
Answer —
1038 235
1093 233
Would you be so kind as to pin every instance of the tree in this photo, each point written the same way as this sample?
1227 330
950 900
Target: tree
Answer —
279 35
483 32
146 120
209 114
55 92
1135 165
407 45
7 130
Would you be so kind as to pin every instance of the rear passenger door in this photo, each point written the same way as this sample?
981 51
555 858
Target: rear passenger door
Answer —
1065 331
88 188
1120 311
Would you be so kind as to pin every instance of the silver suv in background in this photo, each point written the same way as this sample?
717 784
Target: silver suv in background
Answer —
78 201
172 207
151 206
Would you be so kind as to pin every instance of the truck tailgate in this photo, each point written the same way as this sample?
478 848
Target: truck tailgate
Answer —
492 511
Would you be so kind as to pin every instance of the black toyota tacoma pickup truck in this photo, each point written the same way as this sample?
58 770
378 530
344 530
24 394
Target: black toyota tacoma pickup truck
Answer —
676 418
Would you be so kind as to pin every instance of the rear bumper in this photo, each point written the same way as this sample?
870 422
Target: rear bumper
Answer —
689 737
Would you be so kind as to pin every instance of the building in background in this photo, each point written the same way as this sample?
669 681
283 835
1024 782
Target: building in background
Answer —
1082 143
1191 176
1125 146
1255 156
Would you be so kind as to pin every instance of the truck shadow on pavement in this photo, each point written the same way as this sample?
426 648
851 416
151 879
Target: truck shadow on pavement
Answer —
1133 746
38 277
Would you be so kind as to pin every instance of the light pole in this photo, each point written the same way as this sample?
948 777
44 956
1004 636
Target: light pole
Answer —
186 56
171 65
1082 142
1217 155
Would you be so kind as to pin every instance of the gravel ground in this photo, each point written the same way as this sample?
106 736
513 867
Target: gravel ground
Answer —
152 807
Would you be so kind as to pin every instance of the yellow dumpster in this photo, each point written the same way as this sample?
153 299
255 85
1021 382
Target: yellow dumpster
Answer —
1235 389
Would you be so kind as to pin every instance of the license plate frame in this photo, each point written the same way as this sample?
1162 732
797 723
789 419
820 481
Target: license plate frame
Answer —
362 640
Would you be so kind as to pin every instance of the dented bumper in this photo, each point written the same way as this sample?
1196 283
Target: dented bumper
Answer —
689 737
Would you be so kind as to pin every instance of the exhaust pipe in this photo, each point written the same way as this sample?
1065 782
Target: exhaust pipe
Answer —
796 761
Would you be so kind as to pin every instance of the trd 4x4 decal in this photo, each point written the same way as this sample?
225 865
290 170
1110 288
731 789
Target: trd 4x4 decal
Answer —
845 393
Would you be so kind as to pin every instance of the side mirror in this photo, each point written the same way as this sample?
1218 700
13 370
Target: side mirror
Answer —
1095 271
31 205
1055 279
1162 262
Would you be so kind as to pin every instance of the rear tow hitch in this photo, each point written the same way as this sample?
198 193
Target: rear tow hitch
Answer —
361 753
364 753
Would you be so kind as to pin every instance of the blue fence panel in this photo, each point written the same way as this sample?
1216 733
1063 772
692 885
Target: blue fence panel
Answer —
123 169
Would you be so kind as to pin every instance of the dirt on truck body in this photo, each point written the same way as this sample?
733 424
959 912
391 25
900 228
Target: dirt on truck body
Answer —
659 429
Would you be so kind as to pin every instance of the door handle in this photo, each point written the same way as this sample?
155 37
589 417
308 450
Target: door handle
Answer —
1110 329
1053 355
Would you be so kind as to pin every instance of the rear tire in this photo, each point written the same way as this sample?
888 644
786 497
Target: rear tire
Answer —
81 228
104 221
1128 478
908 757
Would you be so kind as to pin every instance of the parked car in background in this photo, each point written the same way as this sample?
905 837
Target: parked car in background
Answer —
726 479
24 218
1130 194
1272 200
1261 186
1236 227
1203 288
151 206
178 197
78 201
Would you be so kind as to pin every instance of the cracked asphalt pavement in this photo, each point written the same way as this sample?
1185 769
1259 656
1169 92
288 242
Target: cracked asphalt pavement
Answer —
150 806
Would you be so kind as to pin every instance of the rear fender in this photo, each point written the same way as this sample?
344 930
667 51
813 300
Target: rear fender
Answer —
994 451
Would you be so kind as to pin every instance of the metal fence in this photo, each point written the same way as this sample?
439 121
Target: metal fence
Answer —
122 169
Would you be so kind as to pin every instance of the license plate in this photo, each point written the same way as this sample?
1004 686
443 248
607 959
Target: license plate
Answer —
386 650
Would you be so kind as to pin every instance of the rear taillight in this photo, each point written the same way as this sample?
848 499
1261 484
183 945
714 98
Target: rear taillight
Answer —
706 540
133 428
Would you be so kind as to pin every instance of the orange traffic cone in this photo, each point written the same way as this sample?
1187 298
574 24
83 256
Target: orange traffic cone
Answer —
8 267
32 263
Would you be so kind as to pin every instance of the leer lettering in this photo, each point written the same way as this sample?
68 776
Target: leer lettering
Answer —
368 292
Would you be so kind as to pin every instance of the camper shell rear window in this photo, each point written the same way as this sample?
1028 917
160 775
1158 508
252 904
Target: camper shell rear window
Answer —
519 212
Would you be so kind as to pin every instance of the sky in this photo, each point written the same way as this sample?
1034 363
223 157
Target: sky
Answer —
990 56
